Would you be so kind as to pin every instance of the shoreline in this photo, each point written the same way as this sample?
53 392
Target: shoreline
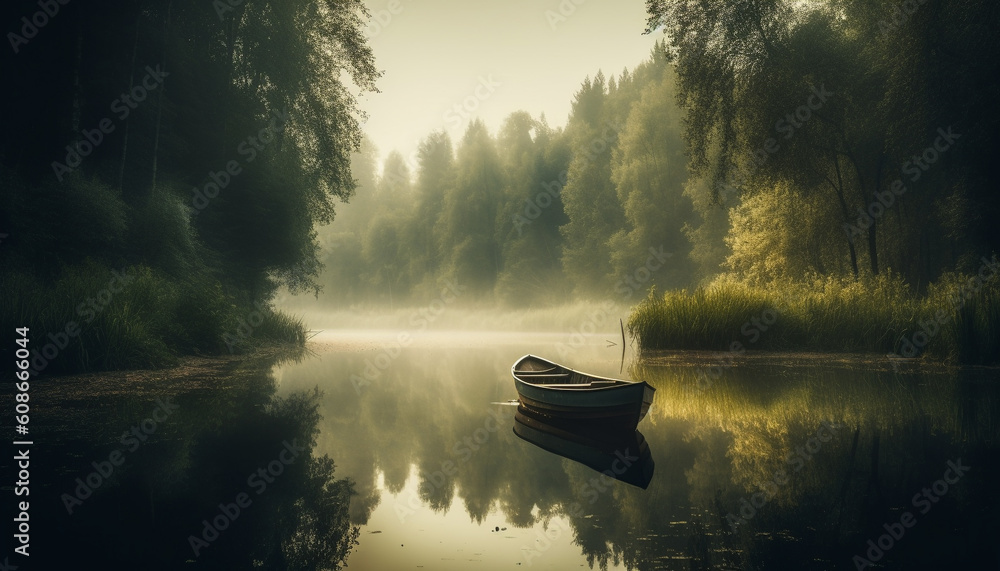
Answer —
795 359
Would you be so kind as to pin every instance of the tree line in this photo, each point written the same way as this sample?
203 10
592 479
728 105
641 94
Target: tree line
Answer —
528 215
768 142
192 144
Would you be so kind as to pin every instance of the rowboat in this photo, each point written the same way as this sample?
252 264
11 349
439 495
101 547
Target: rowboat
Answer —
624 456
553 390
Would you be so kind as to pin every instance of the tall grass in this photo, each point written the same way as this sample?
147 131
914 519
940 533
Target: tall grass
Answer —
149 322
705 318
879 315
273 327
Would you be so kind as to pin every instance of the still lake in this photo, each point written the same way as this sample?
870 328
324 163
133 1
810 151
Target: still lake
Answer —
768 462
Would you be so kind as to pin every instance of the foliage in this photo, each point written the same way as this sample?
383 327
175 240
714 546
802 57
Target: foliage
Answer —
878 315
207 186
837 154
528 215
753 72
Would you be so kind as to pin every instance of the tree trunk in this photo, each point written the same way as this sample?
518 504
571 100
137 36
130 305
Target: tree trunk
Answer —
232 29
159 104
872 250
839 189
77 93
131 78
872 246
854 257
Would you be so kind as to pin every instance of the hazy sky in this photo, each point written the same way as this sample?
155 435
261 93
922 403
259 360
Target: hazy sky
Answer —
491 57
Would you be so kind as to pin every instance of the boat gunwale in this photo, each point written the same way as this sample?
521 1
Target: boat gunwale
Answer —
581 387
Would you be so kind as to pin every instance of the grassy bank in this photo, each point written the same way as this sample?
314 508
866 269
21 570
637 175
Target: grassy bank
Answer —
958 320
92 317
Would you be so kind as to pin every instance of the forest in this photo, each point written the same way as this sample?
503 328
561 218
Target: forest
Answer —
830 162
532 215
162 181
789 202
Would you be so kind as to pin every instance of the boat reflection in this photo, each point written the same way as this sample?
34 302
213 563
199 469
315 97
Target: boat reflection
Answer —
622 455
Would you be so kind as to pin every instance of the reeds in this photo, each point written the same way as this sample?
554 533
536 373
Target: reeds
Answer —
95 321
880 315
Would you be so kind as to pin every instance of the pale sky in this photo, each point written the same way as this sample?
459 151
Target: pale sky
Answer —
492 57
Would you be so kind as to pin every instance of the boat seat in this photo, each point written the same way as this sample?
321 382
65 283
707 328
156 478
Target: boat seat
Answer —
553 376
541 374
594 385
537 370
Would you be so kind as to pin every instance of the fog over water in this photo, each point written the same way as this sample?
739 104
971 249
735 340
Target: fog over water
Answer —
266 269
583 317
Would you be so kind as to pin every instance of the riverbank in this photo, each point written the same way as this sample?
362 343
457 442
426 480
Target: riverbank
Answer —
956 322
93 317
189 373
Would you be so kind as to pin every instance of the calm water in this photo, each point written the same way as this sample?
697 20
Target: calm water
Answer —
779 464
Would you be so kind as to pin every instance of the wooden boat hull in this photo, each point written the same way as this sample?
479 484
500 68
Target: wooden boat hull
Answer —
559 392
622 455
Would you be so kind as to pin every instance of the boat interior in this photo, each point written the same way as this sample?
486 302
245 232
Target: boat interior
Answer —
538 372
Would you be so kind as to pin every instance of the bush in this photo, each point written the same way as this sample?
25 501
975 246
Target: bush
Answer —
92 326
880 315
147 322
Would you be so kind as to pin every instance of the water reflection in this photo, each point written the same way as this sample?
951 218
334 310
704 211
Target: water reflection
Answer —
808 461
622 455
227 480
772 465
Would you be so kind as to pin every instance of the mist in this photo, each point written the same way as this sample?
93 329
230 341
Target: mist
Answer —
442 261
508 222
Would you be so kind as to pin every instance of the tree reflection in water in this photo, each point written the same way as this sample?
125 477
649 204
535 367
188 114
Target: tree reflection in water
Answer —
225 428
713 448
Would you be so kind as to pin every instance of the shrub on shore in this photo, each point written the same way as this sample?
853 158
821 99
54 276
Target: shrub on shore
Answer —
92 317
958 320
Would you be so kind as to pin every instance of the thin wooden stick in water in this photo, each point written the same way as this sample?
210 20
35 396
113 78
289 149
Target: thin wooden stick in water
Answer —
622 324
